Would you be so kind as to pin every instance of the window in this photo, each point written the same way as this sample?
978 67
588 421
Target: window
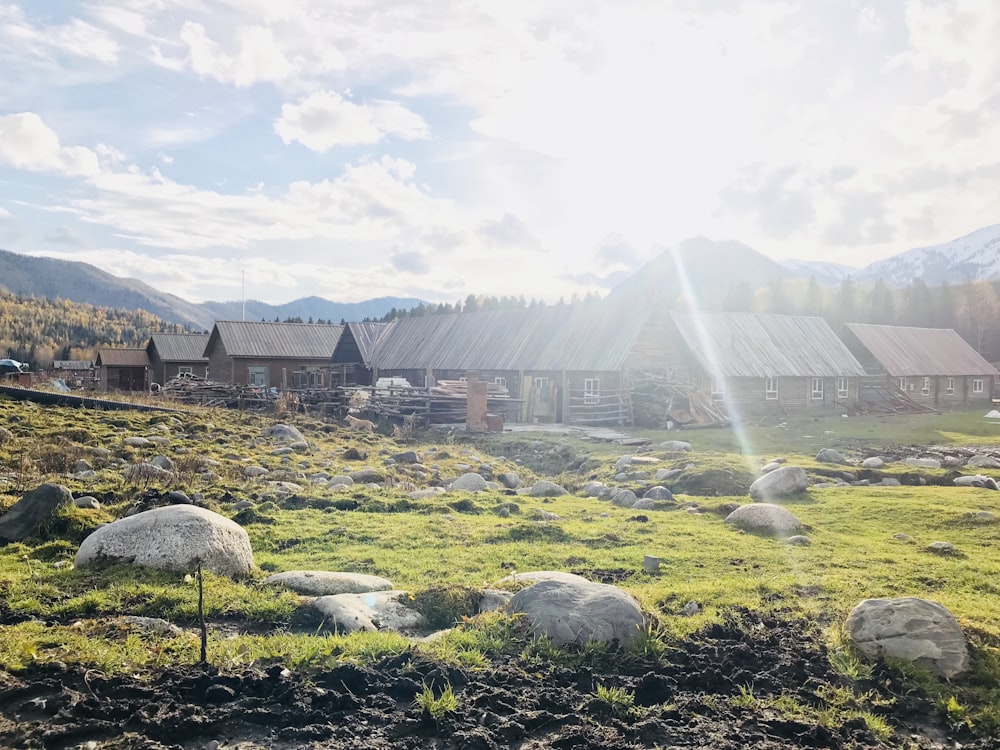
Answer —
843 388
206 372
257 376
542 391
817 389
501 381
902 384
977 385
951 387
909 387
184 370
592 390
718 386
771 389
925 389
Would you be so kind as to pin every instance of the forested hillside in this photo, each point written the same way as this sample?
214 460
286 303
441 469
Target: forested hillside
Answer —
38 330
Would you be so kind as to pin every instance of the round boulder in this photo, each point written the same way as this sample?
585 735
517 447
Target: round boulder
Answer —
470 482
787 481
764 518
872 462
830 456
679 446
658 493
328 583
545 488
915 630
285 433
579 612
375 610
175 538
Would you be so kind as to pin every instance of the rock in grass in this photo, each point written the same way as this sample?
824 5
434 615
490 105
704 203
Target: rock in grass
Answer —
678 446
942 548
983 462
328 583
469 482
830 456
174 538
658 493
977 480
284 432
872 462
30 511
765 518
915 630
579 612
88 502
545 488
534 576
147 472
5 435
787 481
376 610
922 463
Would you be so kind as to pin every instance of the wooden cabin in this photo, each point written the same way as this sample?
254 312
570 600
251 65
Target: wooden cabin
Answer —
272 355
933 366
122 369
352 360
173 354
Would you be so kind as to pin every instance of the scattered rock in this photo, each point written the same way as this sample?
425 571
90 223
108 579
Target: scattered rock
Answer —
299 446
666 475
677 446
658 493
426 494
544 488
254 471
469 482
355 454
983 462
872 462
830 456
87 501
150 624
284 432
890 482
340 481
914 630
328 583
147 472
510 480
624 499
942 548
799 540
690 609
900 537
172 538
787 481
5 435
977 480
494 599
375 610
136 442
922 463
768 468
367 474
24 517
406 457
764 518
622 463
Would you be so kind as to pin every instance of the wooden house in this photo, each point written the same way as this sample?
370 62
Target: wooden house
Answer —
753 364
933 366
353 358
566 363
122 369
173 354
271 355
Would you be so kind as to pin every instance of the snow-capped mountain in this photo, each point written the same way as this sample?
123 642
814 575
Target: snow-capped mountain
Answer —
823 271
975 256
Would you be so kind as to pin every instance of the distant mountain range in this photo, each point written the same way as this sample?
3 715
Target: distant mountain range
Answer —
699 266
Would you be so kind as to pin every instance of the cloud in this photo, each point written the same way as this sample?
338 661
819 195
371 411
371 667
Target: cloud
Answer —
411 262
65 236
26 142
508 231
325 119
257 57
77 38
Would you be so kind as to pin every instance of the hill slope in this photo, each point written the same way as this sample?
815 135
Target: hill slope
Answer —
973 257
305 308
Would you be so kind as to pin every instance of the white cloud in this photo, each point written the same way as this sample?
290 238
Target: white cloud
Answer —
27 143
76 38
257 56
325 119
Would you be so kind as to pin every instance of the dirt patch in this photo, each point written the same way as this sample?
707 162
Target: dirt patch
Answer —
717 691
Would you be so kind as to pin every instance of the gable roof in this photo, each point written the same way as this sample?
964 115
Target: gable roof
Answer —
593 336
179 347
122 358
905 351
751 345
357 343
263 339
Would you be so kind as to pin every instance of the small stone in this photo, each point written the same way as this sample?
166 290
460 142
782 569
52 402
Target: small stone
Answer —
873 462
799 540
87 501
830 456
691 608
902 537
942 548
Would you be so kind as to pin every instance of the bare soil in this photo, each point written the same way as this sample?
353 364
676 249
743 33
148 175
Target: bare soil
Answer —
695 701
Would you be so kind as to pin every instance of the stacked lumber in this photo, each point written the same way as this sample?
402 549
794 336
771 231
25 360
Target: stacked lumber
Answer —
193 389
891 400
461 388
659 399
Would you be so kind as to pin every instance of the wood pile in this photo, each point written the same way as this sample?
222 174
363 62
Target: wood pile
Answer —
891 400
658 399
197 390
461 388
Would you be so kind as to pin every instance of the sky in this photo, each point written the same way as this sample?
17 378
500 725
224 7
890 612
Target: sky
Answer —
435 148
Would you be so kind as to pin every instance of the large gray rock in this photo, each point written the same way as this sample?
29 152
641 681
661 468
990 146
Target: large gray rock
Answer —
787 481
469 482
31 510
172 538
658 493
872 462
915 630
328 583
147 472
543 575
983 462
285 433
136 442
977 480
764 518
830 456
545 488
624 499
510 480
679 446
922 463
579 612
5 435
376 610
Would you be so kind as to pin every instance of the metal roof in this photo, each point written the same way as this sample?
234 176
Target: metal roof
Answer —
122 358
277 340
751 345
593 336
912 352
180 347
366 335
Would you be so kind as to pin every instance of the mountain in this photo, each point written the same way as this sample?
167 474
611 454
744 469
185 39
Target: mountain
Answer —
824 272
973 257
707 268
305 308
81 282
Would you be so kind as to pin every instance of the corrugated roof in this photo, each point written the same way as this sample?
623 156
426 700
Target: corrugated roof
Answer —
180 347
585 337
366 335
751 345
278 340
912 352
122 358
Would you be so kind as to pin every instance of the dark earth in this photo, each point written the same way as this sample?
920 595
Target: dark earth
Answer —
708 695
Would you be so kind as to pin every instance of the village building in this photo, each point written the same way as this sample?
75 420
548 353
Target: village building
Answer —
932 366
271 355
122 369
173 354
353 359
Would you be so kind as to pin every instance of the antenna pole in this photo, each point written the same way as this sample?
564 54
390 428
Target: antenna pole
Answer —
244 273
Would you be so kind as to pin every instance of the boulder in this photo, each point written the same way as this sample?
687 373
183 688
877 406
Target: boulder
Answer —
922 463
254 471
677 446
942 548
5 435
544 488
175 538
830 456
872 462
89 502
977 480
340 481
764 518
915 630
658 493
328 583
624 499
622 462
983 462
367 474
375 610
667 475
147 472
579 612
510 480
890 482
284 432
136 442
163 462
30 511
543 575
355 454
768 468
787 481
469 482
406 457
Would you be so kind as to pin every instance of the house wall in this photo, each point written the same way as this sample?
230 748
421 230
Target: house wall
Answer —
281 373
938 395
124 378
161 371
220 364
747 397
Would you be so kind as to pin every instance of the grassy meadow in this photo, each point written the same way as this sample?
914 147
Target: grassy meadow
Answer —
446 549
